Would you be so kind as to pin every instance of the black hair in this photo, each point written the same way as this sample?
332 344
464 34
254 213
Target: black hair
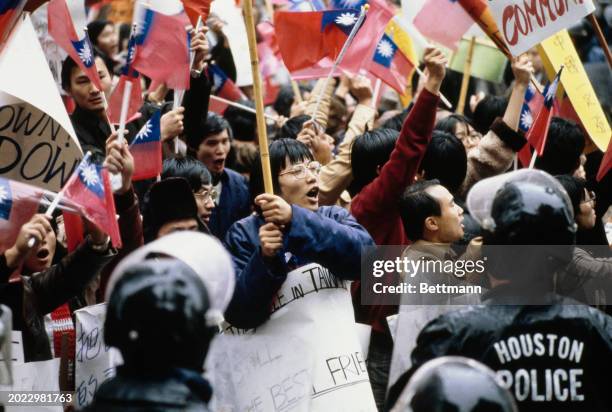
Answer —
69 65
416 205
564 145
449 123
489 108
397 121
293 126
95 28
214 124
284 100
279 151
242 123
370 150
124 34
188 168
574 187
446 160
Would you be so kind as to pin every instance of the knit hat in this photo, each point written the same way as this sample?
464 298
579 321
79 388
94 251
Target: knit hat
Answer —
167 201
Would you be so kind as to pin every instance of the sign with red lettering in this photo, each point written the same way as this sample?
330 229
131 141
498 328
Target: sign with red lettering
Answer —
525 23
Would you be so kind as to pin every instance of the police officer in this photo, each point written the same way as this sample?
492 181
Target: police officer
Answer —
550 352
162 315
448 384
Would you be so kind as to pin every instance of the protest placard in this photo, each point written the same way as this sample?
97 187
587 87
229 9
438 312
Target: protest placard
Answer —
95 362
525 23
35 376
37 140
559 50
307 356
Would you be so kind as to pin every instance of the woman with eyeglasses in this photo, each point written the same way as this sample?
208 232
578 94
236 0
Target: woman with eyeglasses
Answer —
293 261
587 278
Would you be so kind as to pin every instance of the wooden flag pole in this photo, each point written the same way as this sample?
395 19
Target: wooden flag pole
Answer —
241 106
296 91
601 38
258 96
465 81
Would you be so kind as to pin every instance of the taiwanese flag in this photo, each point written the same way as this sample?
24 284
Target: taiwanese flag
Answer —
538 131
61 28
18 203
128 74
90 190
304 38
9 11
163 48
146 148
223 87
532 103
390 65
346 4
195 9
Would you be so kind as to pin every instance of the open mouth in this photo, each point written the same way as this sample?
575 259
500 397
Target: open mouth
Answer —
42 254
313 193
219 162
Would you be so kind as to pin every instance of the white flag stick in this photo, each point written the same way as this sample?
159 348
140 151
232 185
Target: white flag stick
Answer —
442 97
376 92
55 202
534 156
347 43
240 106
125 103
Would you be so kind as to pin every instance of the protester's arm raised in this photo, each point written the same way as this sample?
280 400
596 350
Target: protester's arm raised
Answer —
495 151
382 193
337 175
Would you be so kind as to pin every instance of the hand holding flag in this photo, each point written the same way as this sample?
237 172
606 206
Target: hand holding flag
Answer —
18 203
119 161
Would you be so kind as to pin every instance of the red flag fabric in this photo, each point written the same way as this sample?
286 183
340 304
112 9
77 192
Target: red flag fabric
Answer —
427 21
73 226
90 190
61 28
195 9
321 34
162 48
606 162
128 74
18 203
146 148
9 11
390 65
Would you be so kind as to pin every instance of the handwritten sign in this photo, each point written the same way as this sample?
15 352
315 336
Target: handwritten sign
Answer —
37 141
525 23
95 362
559 50
307 356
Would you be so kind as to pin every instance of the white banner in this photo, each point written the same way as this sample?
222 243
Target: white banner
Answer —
306 357
94 361
525 23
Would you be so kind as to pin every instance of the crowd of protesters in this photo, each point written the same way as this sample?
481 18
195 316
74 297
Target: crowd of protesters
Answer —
361 171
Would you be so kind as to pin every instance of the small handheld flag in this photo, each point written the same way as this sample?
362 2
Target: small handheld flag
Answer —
18 203
146 149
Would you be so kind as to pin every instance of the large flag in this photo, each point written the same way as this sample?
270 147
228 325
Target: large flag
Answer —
89 189
390 64
146 148
321 34
128 74
18 203
78 47
195 9
443 21
162 51
9 11
38 144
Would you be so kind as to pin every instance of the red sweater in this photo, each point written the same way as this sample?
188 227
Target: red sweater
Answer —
376 206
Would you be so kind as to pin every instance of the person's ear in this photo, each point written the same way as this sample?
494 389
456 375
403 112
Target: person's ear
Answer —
378 170
431 224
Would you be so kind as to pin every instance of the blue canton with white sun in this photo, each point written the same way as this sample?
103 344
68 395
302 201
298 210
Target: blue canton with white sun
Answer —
84 51
385 51
91 176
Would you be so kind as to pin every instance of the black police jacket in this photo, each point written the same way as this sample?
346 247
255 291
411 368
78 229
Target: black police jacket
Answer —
552 357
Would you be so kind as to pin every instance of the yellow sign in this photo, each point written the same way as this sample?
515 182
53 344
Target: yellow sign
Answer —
559 50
